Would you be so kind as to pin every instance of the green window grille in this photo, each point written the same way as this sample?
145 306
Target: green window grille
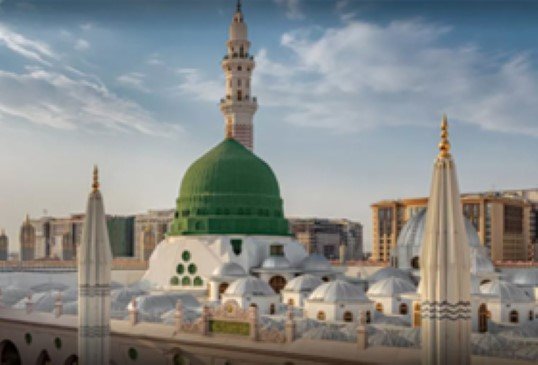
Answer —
192 269
186 281
132 353
198 281
174 280
186 255
180 269
237 246
58 343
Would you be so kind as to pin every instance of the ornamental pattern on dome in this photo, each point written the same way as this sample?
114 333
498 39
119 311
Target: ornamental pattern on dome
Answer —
229 190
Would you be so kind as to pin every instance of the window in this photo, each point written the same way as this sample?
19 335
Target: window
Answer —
174 280
239 95
482 318
222 288
237 246
58 343
198 281
277 283
272 309
186 281
416 315
180 269
348 317
403 308
132 353
321 316
415 263
368 317
238 82
239 68
514 316
186 255
379 307
291 301
276 250
531 316
192 269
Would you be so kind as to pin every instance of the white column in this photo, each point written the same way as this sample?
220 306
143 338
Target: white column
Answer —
94 270
445 268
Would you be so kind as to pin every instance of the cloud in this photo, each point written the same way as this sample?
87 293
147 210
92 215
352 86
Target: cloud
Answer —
155 60
55 100
363 75
82 45
293 9
134 80
27 48
194 84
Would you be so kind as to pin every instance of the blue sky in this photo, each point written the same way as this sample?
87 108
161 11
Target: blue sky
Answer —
351 94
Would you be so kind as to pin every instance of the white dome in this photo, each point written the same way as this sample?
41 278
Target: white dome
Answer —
338 291
391 286
303 283
316 262
388 272
276 262
527 277
229 269
505 291
250 285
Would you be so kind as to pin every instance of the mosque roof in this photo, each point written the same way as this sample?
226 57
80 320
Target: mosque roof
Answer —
338 291
316 262
391 286
388 272
229 190
228 269
505 291
303 283
276 263
250 285
528 277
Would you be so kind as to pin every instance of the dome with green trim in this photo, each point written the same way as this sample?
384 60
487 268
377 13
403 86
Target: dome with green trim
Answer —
229 190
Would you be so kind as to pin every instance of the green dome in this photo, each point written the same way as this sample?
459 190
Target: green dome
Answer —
229 190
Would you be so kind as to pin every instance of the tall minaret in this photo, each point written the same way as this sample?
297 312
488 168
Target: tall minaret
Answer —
445 268
94 268
239 105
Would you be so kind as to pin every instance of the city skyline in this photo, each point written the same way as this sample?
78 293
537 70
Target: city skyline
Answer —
349 88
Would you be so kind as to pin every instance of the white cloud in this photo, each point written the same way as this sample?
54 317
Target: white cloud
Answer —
27 48
82 45
134 80
193 84
363 75
155 60
293 9
55 100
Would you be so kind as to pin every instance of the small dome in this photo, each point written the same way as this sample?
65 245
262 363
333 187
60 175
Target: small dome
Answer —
391 286
316 262
303 283
250 285
388 272
505 291
276 262
229 269
527 277
338 291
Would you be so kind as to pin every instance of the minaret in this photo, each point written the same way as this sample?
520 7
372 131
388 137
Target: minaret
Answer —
238 106
94 270
445 268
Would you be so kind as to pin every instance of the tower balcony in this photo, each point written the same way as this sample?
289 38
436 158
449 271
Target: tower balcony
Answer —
236 55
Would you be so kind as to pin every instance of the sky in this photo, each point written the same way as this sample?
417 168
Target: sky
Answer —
350 95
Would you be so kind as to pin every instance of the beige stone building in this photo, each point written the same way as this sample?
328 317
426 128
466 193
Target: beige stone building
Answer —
325 236
506 222
150 229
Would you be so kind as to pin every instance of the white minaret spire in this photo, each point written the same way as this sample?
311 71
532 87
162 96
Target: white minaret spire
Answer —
94 268
445 268
238 106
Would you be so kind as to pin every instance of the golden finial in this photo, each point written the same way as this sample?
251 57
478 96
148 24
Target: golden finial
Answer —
444 145
229 131
95 184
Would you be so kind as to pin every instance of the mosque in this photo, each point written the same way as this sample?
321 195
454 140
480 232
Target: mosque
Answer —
229 269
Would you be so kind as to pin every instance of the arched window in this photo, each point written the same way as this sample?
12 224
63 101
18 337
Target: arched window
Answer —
9 354
71 360
403 309
415 263
222 288
417 320
482 318
43 358
531 316
368 317
198 281
379 307
272 309
174 280
321 316
348 316
325 279
186 281
278 283
239 97
514 316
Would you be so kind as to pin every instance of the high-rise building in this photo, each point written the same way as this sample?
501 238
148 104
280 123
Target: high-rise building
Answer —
325 236
238 106
121 235
149 229
506 222
4 246
27 240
